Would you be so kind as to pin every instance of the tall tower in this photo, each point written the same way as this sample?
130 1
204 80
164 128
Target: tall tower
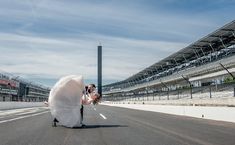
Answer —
99 71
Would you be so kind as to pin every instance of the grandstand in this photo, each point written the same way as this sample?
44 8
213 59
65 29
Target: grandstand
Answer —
204 69
17 89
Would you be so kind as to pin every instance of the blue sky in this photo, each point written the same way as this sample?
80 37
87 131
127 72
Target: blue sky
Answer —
47 39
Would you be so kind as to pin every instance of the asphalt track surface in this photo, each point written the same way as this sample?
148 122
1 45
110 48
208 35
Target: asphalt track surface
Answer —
107 125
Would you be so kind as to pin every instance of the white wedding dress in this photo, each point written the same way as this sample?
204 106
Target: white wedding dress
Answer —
65 100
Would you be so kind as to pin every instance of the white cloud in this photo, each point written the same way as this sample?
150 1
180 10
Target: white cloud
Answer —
107 18
51 38
57 57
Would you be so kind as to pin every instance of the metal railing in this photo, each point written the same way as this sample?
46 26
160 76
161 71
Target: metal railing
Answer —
211 91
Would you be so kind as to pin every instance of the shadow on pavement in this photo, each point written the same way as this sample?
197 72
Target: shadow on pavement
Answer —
99 126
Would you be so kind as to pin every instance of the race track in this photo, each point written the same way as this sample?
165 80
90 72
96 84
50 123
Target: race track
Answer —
107 125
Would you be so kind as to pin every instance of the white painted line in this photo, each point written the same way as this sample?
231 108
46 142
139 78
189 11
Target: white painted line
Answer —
103 116
23 113
3 121
6 112
17 114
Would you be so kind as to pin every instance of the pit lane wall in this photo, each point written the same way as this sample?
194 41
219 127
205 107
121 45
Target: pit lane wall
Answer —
219 113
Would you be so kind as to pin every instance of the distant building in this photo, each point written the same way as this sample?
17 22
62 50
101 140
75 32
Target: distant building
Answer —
20 90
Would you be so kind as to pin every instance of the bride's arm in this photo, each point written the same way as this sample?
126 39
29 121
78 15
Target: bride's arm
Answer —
86 101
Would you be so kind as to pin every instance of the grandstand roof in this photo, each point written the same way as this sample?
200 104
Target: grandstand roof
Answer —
217 40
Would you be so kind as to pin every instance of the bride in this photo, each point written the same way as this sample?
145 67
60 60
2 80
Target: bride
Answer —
67 98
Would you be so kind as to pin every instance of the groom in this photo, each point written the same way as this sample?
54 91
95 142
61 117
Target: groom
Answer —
90 96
